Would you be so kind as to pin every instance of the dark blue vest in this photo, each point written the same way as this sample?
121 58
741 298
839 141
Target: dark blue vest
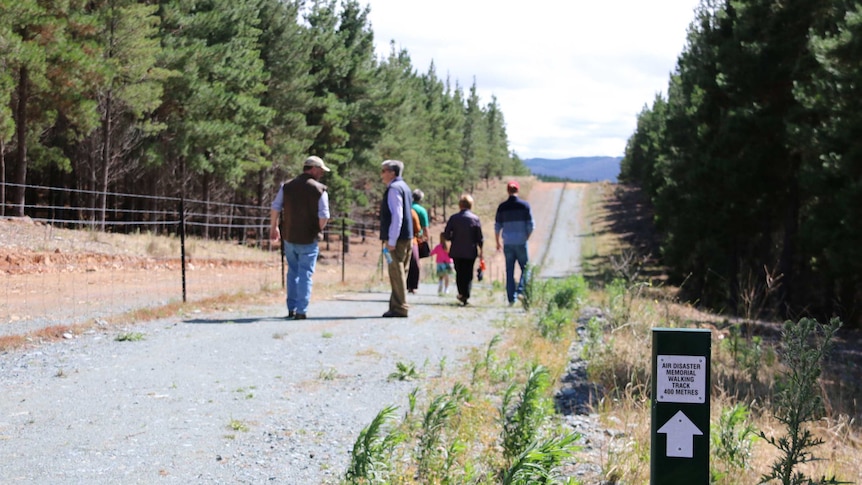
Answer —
386 215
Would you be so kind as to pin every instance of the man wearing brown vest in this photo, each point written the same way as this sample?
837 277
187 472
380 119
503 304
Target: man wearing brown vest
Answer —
303 204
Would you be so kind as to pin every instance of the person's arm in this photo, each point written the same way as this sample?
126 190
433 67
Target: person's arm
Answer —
396 207
480 238
498 228
274 231
274 213
416 225
323 210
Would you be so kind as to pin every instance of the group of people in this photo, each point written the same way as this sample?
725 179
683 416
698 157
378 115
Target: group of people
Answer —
300 213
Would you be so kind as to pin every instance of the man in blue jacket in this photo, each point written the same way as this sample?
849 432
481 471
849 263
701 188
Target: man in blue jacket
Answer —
514 221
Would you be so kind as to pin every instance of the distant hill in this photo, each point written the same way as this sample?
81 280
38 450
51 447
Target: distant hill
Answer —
585 169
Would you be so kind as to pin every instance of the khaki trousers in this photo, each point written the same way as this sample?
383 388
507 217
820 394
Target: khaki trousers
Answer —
398 276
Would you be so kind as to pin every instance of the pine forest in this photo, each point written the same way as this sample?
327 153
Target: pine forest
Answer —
221 101
752 161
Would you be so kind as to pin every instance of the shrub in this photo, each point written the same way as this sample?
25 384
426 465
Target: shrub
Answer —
805 345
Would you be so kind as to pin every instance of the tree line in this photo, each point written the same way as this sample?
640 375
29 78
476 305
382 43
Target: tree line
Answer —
753 159
222 100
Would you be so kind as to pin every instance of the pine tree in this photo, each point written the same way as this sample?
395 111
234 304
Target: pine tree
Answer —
212 110
53 104
130 91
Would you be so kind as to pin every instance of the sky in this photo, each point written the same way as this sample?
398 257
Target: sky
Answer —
570 76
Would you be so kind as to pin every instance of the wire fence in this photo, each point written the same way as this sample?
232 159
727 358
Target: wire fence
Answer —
62 264
126 213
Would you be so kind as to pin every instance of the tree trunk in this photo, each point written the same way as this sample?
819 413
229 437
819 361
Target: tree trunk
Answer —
787 261
106 160
2 178
20 177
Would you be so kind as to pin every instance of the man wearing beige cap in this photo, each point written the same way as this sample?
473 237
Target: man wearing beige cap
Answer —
303 205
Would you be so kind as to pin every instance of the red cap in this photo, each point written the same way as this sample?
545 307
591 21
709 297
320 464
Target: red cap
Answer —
513 184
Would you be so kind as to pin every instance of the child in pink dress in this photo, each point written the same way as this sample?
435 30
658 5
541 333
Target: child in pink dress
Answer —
444 264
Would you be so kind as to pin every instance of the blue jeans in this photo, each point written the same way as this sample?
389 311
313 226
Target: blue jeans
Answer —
301 259
515 252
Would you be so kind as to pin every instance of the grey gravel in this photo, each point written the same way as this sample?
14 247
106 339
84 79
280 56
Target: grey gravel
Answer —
239 397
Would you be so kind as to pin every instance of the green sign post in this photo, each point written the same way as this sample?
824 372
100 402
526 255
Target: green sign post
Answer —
680 406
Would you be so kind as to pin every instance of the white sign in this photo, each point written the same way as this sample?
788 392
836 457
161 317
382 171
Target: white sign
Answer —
681 378
680 433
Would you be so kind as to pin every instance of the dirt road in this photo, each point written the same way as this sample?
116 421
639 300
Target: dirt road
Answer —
556 246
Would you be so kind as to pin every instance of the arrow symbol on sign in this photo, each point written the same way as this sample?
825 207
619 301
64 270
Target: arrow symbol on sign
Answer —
680 433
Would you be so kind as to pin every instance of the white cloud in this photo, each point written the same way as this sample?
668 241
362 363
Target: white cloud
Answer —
569 75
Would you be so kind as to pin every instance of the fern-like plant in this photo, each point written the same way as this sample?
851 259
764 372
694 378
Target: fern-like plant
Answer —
538 463
521 420
437 417
370 459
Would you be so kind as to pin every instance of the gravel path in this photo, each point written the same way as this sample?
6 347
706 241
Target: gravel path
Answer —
96 410
240 396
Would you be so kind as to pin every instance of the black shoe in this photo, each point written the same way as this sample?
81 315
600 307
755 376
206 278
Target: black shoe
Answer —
291 314
391 314
299 316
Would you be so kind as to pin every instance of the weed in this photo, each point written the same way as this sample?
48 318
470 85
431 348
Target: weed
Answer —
563 299
754 295
405 372
129 337
327 374
552 322
237 425
530 286
732 440
437 416
326 334
593 338
622 296
411 400
805 345
370 458
538 461
749 354
489 359
521 420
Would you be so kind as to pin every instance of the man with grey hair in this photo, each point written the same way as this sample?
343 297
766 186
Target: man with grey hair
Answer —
396 232
303 205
